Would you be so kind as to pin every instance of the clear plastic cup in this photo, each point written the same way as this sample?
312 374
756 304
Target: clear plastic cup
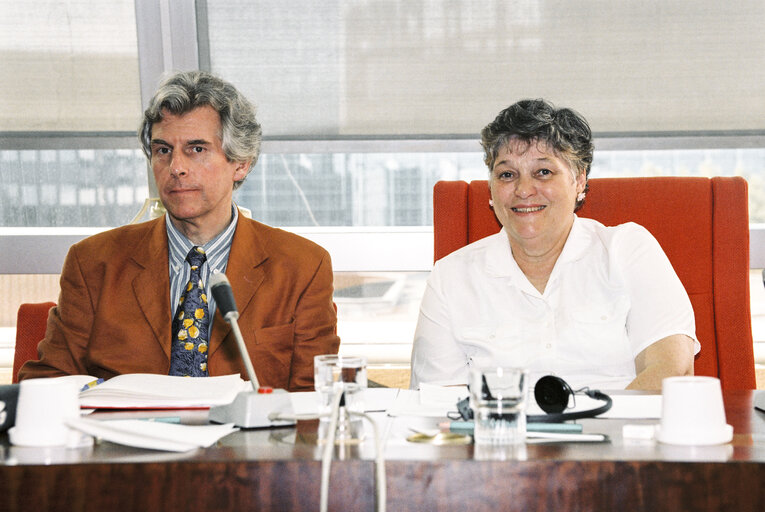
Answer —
498 397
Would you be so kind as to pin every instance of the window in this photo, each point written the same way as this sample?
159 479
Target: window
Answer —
365 104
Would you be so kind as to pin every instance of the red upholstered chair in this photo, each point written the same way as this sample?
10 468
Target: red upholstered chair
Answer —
30 330
701 223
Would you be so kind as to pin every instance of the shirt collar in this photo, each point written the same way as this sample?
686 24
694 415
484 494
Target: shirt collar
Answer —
500 257
579 239
500 261
179 246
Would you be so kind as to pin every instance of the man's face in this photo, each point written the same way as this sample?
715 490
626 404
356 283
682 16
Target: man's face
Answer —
194 178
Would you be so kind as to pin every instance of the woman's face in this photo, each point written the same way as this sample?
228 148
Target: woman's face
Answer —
534 194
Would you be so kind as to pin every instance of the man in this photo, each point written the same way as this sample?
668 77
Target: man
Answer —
136 299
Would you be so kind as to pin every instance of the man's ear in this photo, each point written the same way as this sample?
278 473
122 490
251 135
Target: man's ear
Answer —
242 168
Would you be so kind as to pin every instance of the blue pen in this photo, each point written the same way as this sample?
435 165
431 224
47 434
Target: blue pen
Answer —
91 385
163 419
466 427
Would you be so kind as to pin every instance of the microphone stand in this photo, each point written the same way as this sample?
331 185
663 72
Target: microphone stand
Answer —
231 317
262 406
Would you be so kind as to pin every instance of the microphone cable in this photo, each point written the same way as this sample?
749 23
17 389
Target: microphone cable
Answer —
380 483
326 459
224 298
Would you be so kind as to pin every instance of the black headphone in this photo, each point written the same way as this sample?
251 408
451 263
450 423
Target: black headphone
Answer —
552 395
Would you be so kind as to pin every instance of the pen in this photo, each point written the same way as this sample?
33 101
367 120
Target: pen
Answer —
163 419
91 385
548 437
466 427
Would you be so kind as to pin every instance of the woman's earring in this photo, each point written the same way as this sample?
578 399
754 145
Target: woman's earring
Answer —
491 203
580 197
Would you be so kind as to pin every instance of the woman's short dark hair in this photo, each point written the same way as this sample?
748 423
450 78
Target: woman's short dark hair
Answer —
183 92
563 130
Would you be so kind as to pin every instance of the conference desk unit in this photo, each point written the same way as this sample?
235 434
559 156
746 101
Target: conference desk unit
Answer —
280 469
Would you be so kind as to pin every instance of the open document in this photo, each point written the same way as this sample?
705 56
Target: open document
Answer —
153 391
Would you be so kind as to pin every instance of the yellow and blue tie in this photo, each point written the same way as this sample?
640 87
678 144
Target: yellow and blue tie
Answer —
191 323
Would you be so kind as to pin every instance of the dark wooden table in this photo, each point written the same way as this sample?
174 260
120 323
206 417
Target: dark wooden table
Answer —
280 469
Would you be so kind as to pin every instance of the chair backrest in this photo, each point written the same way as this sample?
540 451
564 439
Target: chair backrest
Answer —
30 329
701 223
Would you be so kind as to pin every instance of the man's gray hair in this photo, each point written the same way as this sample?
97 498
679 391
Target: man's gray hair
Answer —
185 91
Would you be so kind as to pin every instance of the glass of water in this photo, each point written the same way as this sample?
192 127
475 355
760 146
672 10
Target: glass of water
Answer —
336 372
498 398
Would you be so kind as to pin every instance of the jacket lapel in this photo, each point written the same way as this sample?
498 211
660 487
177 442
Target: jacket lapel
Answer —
244 271
151 285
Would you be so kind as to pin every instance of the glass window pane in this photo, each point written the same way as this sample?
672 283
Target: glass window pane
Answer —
351 189
395 189
85 188
377 313
68 66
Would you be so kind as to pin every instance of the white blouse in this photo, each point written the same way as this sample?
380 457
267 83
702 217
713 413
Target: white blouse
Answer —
611 294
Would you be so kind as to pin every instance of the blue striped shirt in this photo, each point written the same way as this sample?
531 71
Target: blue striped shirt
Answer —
217 251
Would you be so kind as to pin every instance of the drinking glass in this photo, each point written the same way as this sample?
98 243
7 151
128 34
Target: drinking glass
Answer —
336 372
498 398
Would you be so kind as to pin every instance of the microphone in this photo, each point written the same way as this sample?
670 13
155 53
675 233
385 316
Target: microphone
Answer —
254 408
224 296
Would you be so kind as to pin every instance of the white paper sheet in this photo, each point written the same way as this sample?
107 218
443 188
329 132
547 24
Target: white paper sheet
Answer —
634 406
431 403
375 399
154 435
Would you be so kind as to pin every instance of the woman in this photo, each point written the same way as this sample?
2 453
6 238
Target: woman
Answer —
554 293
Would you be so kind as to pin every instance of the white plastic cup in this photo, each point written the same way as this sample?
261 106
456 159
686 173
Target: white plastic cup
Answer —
498 397
332 372
692 412
43 407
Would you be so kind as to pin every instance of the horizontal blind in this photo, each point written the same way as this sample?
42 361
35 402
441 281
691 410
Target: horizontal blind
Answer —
342 68
68 66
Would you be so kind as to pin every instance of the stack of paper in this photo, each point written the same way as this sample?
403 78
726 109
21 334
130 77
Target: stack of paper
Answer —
154 435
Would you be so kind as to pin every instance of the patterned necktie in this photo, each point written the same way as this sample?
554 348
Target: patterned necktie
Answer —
191 323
